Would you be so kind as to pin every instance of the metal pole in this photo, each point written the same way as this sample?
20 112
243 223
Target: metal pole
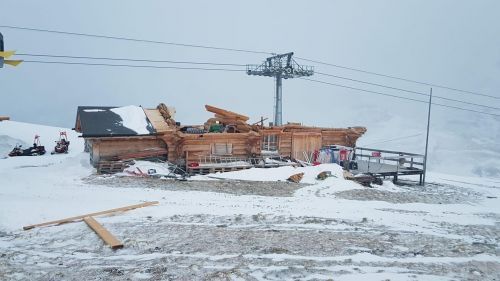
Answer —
427 138
278 107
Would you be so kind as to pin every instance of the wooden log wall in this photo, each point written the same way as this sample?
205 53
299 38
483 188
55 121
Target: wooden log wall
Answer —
285 144
109 147
194 145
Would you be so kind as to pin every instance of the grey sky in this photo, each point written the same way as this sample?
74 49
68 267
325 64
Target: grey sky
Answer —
455 43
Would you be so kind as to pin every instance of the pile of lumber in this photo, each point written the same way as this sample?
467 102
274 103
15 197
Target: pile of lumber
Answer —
228 119
98 228
168 113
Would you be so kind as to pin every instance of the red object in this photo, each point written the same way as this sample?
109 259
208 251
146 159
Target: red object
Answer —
343 155
194 164
376 154
315 155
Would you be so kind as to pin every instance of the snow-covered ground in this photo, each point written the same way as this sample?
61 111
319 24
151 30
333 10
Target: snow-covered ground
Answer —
240 228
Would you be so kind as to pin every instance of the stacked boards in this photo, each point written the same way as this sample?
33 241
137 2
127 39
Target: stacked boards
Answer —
228 118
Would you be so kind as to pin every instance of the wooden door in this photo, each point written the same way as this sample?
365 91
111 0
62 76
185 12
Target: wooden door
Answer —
305 143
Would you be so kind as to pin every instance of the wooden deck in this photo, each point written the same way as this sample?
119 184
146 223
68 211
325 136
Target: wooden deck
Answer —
386 163
204 170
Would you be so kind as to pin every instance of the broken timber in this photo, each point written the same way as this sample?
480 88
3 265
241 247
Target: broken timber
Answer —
79 218
105 235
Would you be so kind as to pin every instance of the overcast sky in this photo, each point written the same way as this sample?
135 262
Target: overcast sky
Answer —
454 43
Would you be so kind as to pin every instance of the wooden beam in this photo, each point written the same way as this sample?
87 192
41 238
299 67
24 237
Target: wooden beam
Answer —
105 235
225 113
78 218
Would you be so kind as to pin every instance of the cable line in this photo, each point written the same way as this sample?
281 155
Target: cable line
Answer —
124 59
244 65
399 97
408 91
134 66
399 78
243 51
389 140
133 39
242 70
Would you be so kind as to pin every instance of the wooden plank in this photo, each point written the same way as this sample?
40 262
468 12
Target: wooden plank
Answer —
78 218
156 120
226 113
102 232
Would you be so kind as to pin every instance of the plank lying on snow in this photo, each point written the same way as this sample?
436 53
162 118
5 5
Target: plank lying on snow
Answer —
105 235
78 218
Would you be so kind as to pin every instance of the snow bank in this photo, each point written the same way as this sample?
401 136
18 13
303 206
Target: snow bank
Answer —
144 166
12 132
278 174
134 118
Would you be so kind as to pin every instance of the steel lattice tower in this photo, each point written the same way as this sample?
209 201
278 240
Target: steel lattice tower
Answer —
281 67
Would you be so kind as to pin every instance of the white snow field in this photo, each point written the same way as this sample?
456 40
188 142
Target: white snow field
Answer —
251 226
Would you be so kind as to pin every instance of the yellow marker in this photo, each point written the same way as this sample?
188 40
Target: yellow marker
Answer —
7 54
13 62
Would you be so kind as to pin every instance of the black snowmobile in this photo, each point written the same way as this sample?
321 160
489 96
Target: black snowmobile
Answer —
35 150
62 145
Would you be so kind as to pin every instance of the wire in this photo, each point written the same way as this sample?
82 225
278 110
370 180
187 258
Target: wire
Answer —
389 140
399 78
243 51
123 59
134 39
399 97
241 70
134 66
408 91
232 64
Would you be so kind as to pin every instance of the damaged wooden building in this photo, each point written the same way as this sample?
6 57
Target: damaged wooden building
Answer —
132 132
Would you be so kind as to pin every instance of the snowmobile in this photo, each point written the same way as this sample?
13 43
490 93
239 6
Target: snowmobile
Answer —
62 145
35 150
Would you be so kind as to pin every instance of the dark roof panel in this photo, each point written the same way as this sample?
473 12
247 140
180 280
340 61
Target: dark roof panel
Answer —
100 121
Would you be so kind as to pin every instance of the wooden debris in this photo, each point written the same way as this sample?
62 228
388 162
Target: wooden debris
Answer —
226 113
79 218
365 180
324 175
111 167
4 118
102 232
296 178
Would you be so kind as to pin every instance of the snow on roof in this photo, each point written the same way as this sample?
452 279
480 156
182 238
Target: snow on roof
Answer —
103 121
134 118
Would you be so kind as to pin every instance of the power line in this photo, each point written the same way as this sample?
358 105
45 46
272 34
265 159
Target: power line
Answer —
243 65
134 66
128 59
243 51
134 39
405 90
398 97
400 78
400 138
242 70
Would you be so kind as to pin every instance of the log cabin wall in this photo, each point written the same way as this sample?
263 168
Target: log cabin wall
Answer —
285 144
105 148
190 147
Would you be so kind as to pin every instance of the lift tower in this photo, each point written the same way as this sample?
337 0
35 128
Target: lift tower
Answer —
281 67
